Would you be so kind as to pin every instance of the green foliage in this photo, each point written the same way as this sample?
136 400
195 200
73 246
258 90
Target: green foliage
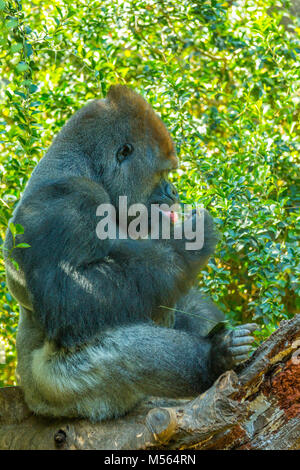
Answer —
224 78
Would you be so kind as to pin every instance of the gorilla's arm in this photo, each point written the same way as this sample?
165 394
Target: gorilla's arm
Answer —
197 314
80 285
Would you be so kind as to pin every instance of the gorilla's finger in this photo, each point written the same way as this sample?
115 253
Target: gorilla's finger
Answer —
239 332
241 358
245 330
240 340
236 351
251 326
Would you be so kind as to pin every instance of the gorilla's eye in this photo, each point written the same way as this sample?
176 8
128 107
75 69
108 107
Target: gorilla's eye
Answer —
124 152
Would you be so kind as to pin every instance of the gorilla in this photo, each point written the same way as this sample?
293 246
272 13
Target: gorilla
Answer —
106 323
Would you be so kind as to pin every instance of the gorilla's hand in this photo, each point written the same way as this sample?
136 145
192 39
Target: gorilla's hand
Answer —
231 347
199 237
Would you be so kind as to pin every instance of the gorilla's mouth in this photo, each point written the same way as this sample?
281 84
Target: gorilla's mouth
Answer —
173 216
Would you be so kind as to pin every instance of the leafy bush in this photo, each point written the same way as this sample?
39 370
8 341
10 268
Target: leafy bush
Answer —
223 76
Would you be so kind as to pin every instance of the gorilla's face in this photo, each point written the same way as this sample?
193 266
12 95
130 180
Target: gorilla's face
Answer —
139 169
130 150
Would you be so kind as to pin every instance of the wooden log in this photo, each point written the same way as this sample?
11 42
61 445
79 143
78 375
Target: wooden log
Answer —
256 406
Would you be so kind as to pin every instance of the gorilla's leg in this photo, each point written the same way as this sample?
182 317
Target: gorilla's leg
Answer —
108 378
198 315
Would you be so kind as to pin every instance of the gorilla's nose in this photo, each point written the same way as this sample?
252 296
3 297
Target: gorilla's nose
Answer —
172 193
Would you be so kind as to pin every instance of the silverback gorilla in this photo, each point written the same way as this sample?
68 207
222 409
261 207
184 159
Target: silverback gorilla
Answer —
104 323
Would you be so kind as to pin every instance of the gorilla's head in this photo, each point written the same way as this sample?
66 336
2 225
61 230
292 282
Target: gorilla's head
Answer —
126 147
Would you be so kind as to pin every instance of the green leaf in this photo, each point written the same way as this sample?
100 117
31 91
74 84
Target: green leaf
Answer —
16 47
13 229
28 49
20 93
10 24
32 88
16 265
19 229
22 67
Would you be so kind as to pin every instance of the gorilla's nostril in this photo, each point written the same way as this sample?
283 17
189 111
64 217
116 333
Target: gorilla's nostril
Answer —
175 194
171 192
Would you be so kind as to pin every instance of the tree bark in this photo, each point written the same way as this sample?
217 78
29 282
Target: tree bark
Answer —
254 407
